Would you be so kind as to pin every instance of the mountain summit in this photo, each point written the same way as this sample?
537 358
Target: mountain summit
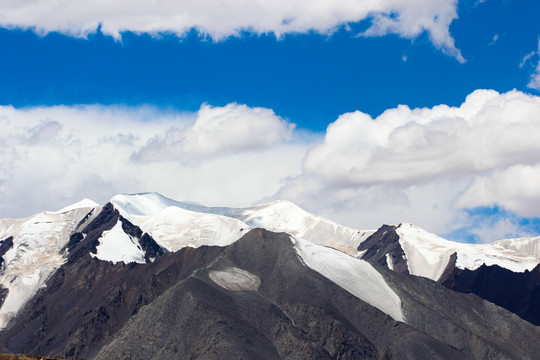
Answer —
144 276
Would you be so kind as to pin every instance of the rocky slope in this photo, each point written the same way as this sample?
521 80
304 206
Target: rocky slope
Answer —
506 272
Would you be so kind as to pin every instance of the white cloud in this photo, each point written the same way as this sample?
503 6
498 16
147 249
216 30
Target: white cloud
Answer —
494 40
488 231
534 82
425 165
516 188
408 146
526 58
219 131
53 156
411 18
220 19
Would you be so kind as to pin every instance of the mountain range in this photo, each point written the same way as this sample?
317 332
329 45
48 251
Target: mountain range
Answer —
147 277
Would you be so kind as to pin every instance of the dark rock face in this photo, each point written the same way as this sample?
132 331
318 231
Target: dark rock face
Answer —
151 249
298 313
476 327
91 233
517 292
88 301
385 241
288 317
174 308
3 294
5 245
74 239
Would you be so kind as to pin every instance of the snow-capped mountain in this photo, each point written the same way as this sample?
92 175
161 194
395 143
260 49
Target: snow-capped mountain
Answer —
428 255
31 251
269 281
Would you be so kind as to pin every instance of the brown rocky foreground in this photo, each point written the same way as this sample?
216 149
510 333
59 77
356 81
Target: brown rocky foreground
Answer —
23 357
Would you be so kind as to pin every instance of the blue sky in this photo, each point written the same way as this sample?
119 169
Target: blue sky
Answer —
307 78
276 68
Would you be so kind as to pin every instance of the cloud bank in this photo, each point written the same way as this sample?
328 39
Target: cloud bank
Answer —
426 166
53 156
434 167
221 19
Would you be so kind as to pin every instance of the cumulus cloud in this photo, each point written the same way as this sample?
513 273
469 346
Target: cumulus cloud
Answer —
426 165
409 146
431 166
218 131
53 156
220 19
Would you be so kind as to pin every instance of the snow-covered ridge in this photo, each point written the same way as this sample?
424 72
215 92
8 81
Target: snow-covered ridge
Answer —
83 204
174 228
428 254
148 211
284 216
36 253
356 276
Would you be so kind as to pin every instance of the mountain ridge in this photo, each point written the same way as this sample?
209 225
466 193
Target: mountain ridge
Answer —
120 259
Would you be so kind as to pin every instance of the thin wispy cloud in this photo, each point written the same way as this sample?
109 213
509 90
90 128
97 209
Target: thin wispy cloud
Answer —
494 40
526 58
534 82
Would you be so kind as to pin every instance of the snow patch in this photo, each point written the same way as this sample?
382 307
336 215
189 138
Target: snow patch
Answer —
235 279
356 276
389 262
115 245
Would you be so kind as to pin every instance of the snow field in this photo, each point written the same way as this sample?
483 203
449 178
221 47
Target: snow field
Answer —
356 276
